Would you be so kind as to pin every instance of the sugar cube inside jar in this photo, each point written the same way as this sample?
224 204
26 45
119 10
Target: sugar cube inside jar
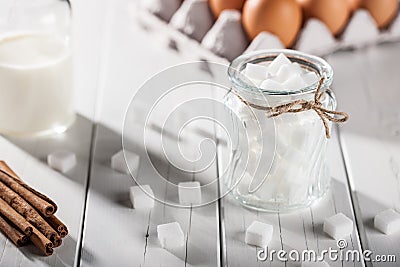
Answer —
280 161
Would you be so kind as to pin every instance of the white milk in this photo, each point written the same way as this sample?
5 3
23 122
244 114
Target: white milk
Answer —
35 84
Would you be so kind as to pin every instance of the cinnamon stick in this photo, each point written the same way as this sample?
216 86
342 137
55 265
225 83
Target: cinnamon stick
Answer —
41 242
60 227
41 202
19 239
14 217
30 214
5 168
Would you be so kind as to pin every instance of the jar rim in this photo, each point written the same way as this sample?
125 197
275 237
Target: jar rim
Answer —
317 64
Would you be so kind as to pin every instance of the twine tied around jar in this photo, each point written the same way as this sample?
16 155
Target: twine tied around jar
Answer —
304 105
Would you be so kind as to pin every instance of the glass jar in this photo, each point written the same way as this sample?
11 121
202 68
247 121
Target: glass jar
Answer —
282 165
36 95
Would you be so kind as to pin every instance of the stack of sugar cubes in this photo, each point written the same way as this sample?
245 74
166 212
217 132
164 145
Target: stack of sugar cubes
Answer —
280 75
298 135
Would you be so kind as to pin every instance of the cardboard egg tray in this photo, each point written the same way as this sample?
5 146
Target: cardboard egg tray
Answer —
191 26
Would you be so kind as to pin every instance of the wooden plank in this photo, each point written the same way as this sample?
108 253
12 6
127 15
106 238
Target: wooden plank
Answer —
116 234
367 86
300 230
137 48
27 156
199 224
89 21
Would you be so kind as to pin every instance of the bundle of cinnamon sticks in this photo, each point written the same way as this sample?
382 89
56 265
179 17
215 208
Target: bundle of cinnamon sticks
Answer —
26 214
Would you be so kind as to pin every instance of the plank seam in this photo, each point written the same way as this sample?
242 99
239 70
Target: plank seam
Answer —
146 238
360 232
79 247
223 261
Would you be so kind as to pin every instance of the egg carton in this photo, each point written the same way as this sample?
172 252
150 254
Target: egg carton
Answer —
184 41
226 38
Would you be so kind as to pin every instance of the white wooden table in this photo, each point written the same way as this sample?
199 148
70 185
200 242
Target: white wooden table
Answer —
115 53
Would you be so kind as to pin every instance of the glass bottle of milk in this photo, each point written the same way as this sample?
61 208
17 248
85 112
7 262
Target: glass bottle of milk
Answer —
36 95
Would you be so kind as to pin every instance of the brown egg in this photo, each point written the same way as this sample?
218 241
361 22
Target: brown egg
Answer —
334 13
383 11
303 3
305 7
353 4
280 17
217 6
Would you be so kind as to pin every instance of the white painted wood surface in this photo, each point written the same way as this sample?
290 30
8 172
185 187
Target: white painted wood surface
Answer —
27 156
116 51
108 205
129 236
338 200
111 115
300 230
367 84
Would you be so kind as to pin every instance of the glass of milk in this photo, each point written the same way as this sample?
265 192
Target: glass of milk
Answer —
282 166
36 95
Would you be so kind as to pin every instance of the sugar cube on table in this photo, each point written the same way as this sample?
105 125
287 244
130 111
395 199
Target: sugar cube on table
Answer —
170 235
61 161
338 226
314 264
189 193
278 62
388 221
142 197
259 234
118 162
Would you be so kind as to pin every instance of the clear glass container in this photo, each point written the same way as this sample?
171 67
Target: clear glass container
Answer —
282 165
36 95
